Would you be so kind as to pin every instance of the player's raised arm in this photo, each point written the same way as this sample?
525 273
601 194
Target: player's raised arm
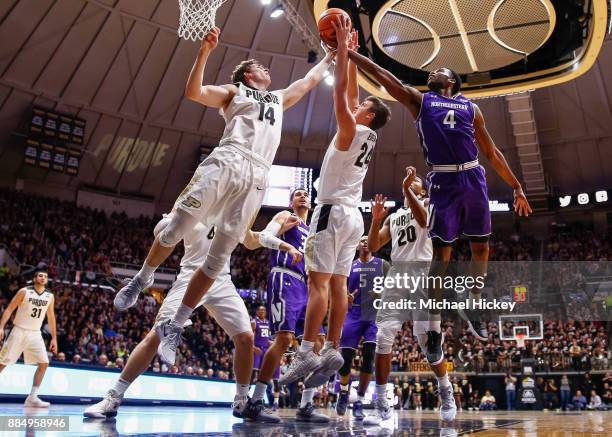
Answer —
215 96
499 163
347 125
416 207
379 236
12 306
353 86
52 325
298 89
406 95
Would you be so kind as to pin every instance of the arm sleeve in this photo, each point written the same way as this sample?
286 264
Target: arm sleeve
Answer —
268 238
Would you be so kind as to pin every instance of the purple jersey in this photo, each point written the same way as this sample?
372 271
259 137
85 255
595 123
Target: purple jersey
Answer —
361 280
262 333
446 129
295 236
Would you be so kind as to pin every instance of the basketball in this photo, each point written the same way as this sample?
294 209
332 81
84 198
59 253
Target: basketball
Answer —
326 29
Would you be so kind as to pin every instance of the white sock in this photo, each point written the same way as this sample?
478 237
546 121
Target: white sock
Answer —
121 386
306 346
260 391
146 272
182 314
34 391
443 381
328 345
242 390
381 391
307 396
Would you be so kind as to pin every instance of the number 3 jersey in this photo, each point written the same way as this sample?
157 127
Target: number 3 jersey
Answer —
409 241
295 236
254 121
32 310
446 129
343 172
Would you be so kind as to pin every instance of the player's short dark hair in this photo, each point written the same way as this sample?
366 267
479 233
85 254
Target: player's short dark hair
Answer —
241 69
458 82
295 191
382 112
37 271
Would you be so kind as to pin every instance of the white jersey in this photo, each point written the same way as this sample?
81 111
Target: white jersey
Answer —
33 308
409 241
343 172
197 244
254 120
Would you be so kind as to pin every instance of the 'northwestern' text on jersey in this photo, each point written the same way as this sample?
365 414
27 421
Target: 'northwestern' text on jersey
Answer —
361 281
254 121
343 172
446 129
295 236
262 333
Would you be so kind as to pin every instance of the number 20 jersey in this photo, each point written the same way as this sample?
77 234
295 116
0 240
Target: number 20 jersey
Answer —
343 172
254 121
409 241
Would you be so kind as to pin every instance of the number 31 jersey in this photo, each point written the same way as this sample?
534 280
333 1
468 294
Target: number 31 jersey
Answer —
409 241
32 310
254 121
343 172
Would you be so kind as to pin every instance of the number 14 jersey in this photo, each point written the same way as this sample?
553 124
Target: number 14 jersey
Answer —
343 172
409 241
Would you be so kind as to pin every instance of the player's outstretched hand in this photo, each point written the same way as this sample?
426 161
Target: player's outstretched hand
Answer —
211 39
521 204
296 255
290 222
342 26
409 179
379 212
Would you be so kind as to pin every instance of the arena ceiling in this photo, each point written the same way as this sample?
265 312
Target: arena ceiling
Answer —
119 65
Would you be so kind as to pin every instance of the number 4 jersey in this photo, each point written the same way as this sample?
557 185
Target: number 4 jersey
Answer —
409 241
32 310
343 172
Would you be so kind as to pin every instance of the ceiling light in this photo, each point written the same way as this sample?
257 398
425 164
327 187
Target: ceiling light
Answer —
277 12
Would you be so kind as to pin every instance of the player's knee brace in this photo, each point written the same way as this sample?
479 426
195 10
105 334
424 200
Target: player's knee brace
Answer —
178 226
367 361
385 337
348 354
220 250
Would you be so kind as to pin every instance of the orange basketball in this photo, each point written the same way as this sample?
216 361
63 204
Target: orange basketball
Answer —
326 29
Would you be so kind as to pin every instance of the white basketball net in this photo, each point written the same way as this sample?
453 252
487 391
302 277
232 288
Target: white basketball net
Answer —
197 17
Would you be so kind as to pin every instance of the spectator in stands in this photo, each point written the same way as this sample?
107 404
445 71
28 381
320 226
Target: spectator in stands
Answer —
510 382
551 398
579 402
607 395
595 403
488 401
565 391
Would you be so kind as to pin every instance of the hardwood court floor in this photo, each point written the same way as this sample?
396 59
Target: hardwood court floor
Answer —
159 420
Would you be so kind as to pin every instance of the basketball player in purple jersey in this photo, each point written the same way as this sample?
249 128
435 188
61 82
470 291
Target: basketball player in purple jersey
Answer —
261 328
359 324
287 298
452 130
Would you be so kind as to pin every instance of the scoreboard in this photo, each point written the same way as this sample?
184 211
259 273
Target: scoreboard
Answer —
54 141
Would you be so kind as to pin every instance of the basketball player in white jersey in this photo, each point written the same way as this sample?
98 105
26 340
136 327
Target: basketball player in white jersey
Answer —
227 189
32 304
225 305
336 224
411 252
